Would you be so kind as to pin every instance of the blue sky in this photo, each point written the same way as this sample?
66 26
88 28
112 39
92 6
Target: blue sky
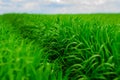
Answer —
59 6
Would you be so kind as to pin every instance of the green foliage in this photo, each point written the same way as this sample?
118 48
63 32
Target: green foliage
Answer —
60 47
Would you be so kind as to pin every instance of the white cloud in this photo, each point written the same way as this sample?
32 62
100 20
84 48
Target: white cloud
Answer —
58 1
59 6
30 5
86 2
93 2
1 2
17 0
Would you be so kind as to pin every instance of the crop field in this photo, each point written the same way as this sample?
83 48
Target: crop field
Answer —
60 47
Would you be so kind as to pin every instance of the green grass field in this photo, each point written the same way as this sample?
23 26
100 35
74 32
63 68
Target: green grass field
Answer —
60 47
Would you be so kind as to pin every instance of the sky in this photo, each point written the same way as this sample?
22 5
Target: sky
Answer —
59 6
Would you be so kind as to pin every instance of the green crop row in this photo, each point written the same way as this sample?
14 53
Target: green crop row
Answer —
60 47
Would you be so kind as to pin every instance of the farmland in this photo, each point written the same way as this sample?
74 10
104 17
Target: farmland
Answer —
60 47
